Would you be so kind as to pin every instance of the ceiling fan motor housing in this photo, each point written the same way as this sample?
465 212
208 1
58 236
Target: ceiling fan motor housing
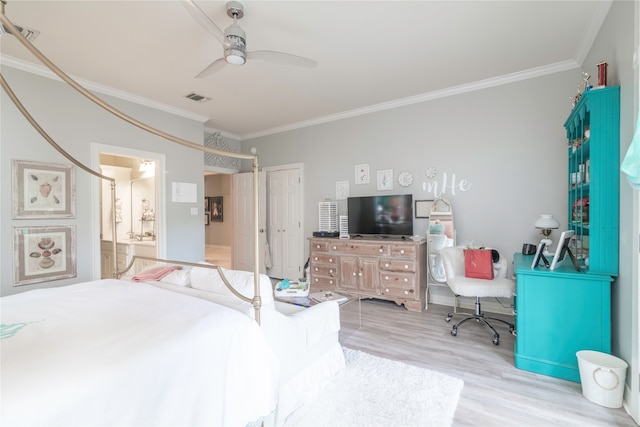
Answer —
235 45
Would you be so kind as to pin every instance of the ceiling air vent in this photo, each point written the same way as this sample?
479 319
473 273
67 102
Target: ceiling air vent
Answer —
28 33
197 98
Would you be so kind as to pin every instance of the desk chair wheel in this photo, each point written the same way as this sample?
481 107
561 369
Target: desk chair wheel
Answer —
454 331
496 340
448 318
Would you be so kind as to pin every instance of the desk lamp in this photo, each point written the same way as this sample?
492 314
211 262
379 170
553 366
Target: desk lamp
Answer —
546 223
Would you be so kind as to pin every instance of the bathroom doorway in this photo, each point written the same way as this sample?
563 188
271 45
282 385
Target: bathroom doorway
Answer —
139 213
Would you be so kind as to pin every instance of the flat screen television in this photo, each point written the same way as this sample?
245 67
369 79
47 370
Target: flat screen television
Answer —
381 216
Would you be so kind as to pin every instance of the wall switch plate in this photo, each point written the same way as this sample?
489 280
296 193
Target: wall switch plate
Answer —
194 211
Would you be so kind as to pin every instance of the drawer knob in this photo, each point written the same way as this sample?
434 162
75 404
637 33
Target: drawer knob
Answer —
315 280
406 266
380 250
386 277
354 273
315 258
317 246
330 271
406 280
335 247
386 290
360 274
387 265
401 251
406 292
330 259
331 282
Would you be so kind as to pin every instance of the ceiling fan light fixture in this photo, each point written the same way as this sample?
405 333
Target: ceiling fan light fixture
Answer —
234 57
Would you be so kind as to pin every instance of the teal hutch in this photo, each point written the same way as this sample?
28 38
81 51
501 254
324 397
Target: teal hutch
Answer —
560 312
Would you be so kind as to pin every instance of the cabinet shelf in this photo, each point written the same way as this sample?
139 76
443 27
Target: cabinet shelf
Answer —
593 134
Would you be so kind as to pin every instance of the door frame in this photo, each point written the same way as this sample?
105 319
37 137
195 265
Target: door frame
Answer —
161 223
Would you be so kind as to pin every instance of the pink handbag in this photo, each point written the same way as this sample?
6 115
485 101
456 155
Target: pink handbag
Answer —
478 264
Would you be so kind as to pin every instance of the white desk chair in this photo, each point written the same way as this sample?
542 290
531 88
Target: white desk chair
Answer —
500 286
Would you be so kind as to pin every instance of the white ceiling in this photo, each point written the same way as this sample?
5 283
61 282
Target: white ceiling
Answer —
371 54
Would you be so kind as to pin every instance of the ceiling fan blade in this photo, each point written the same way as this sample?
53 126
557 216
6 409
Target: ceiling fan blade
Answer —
215 66
282 58
202 19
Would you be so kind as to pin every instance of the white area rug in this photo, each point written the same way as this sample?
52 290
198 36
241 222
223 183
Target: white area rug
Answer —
377 392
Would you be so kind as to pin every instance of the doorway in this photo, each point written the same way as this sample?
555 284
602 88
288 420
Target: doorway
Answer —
139 210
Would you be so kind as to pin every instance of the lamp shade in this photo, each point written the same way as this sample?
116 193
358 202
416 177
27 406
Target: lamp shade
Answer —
546 222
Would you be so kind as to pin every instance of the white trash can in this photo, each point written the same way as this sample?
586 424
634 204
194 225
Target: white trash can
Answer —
602 376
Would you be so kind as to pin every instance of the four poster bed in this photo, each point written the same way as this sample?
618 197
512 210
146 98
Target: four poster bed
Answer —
179 344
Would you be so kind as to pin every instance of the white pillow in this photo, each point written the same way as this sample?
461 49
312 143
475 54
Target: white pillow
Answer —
178 277
208 279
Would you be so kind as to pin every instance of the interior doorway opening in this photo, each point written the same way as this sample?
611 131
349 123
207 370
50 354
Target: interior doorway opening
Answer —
218 218
139 209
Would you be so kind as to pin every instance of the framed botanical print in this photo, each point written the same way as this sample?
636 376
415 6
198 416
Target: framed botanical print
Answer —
362 174
42 254
385 179
43 190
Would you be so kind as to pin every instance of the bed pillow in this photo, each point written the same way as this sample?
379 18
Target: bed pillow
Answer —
207 279
179 277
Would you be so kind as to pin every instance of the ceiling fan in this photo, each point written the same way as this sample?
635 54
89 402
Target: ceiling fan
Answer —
234 44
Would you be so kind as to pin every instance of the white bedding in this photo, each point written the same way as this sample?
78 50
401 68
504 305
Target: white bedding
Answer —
117 353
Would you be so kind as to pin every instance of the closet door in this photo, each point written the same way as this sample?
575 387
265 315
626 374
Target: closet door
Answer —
284 223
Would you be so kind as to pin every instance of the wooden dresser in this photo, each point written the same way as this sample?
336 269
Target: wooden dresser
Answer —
392 270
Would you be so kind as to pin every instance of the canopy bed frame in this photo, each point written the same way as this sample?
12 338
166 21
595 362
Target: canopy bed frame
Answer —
254 158
264 364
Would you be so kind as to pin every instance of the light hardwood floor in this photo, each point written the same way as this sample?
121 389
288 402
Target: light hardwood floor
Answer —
218 255
495 392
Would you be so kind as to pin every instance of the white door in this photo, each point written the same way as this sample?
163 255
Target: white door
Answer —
242 257
284 224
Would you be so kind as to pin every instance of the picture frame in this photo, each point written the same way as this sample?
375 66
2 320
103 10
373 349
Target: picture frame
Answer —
216 209
342 190
385 180
43 190
44 253
207 216
362 174
423 208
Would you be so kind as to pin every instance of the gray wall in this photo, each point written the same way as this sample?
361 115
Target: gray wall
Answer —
507 142
615 45
76 123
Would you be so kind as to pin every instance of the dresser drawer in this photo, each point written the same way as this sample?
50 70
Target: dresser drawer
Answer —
403 251
323 281
398 291
324 270
404 280
397 265
360 248
323 258
319 246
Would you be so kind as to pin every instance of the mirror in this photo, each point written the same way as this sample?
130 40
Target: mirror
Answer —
441 233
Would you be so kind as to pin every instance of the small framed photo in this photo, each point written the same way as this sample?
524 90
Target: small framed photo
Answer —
42 254
43 190
207 216
385 179
342 190
423 208
216 209
362 174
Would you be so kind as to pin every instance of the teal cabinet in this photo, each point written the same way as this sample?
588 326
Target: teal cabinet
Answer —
558 313
593 135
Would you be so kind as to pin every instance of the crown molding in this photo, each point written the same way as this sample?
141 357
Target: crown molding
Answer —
429 96
43 71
